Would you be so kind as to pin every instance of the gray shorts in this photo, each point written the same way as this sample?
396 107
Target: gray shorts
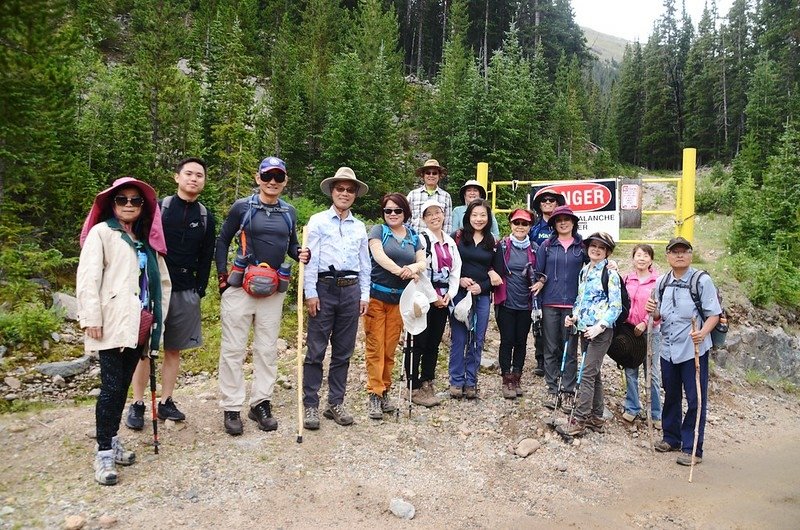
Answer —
182 326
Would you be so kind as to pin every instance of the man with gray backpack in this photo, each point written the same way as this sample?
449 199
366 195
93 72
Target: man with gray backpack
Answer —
252 293
689 311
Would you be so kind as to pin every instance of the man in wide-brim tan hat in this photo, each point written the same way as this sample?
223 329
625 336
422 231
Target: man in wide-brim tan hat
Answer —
431 172
336 287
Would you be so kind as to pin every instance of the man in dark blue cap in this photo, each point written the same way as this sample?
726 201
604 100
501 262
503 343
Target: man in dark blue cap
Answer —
265 227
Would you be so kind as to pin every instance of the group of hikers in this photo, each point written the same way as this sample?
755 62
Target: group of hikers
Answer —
145 265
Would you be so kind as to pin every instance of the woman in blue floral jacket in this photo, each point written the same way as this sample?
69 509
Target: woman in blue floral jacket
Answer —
594 313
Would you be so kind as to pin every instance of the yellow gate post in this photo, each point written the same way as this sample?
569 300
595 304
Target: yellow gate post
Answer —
482 175
689 181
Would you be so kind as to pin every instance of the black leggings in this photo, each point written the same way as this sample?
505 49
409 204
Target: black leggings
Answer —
116 370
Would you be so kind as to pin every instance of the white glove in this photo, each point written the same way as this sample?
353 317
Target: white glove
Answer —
593 331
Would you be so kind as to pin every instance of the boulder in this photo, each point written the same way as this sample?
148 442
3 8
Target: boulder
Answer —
68 303
64 368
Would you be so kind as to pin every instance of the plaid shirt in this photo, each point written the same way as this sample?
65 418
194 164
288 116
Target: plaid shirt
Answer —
417 197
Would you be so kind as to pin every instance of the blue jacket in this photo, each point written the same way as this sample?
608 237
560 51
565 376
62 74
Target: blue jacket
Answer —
562 270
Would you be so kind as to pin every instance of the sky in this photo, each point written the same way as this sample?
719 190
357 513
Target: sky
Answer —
633 19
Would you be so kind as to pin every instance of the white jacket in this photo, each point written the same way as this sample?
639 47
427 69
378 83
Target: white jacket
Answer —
433 260
108 289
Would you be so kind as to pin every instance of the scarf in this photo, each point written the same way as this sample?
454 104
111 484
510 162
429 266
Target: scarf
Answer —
522 245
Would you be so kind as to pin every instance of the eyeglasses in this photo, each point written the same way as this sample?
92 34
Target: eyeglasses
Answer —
121 200
396 211
277 176
549 199
520 222
345 189
680 252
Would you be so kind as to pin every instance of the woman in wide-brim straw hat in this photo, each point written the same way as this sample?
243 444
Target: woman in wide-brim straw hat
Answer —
121 271
471 190
594 314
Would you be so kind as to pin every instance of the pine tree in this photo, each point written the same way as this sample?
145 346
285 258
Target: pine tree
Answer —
702 71
629 106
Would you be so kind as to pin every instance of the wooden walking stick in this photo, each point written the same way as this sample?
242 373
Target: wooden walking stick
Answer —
301 270
699 399
648 392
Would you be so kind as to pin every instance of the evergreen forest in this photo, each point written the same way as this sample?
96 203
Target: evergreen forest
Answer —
94 89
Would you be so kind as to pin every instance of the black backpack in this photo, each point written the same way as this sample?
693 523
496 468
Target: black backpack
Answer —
626 300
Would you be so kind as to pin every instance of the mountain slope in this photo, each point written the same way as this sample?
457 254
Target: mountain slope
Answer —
606 47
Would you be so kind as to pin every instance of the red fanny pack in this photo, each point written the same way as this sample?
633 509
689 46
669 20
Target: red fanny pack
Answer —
260 280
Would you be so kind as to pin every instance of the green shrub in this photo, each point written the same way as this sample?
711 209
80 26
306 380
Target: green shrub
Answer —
768 278
29 324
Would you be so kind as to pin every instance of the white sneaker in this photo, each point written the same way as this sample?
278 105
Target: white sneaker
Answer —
105 472
121 456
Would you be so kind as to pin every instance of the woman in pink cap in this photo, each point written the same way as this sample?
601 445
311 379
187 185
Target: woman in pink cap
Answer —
121 273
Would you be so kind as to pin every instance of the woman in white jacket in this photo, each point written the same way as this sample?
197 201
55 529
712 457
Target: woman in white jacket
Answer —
121 272
444 271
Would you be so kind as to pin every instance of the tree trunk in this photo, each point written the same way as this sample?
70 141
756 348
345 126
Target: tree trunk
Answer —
486 45
444 26
419 38
536 20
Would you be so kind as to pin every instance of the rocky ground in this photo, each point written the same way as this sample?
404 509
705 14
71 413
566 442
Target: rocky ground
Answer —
456 465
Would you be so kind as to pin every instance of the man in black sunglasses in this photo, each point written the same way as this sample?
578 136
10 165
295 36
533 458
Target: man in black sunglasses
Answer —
189 231
265 227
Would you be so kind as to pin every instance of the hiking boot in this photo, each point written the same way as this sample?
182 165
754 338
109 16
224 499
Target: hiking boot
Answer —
517 386
509 392
121 455
456 392
135 418
596 424
386 403
434 400
539 370
262 414
311 419
105 472
664 447
424 397
470 392
550 402
685 459
374 409
233 423
574 428
628 417
566 403
657 425
168 411
338 414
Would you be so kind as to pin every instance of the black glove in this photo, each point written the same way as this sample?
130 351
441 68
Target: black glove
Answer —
222 277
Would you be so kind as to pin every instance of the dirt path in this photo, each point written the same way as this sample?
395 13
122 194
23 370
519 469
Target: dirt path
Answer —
454 463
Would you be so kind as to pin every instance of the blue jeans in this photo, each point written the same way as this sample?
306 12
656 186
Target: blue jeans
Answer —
679 381
465 355
632 404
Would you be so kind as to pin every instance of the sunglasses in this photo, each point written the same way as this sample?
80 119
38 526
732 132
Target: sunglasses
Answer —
396 211
277 176
121 200
549 199
345 189
520 222
434 172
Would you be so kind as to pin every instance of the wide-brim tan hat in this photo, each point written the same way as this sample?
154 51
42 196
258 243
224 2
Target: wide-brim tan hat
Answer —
415 301
432 162
343 174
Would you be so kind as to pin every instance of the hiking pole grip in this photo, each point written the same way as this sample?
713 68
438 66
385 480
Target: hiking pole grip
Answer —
153 401
699 399
300 272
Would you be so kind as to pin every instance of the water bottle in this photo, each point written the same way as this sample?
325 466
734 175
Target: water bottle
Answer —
237 273
284 275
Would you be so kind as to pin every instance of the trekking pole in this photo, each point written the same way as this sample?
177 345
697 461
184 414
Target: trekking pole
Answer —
560 381
153 355
300 272
699 399
578 381
410 338
648 392
401 374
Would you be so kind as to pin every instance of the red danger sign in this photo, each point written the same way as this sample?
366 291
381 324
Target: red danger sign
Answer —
582 196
